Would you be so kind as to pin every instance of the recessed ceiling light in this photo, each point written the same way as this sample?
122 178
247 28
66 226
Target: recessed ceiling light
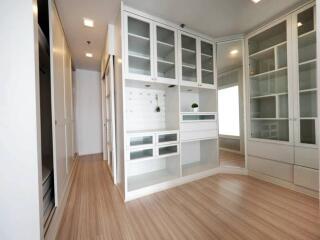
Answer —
255 1
89 55
300 24
234 52
88 22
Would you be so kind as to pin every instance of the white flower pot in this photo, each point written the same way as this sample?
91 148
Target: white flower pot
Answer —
195 109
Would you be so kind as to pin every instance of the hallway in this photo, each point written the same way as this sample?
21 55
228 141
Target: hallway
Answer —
221 206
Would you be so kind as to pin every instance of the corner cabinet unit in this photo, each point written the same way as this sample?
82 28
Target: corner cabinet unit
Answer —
160 71
282 100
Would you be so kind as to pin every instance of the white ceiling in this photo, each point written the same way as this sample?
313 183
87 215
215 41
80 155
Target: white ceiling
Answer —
71 13
216 18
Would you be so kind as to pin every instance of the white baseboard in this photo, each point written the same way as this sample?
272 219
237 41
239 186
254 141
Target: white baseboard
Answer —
182 180
283 183
57 217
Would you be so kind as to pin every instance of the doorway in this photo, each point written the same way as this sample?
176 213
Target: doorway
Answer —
230 69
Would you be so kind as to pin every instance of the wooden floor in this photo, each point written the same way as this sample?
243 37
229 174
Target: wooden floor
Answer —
218 207
230 159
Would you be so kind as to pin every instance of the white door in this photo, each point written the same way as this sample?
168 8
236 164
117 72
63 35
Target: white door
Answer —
68 109
58 104
110 119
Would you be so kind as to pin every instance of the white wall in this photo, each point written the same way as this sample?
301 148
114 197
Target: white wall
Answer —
88 120
20 153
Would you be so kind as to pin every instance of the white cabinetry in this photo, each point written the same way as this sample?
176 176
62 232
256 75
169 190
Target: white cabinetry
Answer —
282 92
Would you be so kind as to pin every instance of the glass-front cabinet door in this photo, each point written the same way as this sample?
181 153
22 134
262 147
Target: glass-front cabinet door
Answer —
207 64
306 78
166 54
139 48
189 63
268 81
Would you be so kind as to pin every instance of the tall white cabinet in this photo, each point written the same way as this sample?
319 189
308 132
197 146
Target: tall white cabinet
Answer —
282 100
160 71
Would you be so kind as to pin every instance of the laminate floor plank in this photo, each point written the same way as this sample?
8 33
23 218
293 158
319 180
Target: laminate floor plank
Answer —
231 207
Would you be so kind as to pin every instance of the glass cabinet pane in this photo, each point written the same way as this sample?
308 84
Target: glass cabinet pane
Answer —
166 53
207 63
307 75
269 84
172 137
141 140
139 47
140 154
189 58
168 150
196 117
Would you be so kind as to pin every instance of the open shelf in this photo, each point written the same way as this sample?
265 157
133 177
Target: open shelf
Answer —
205 98
198 156
151 172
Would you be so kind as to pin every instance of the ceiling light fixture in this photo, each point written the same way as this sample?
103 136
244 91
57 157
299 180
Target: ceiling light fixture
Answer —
88 22
234 52
255 1
89 55
300 24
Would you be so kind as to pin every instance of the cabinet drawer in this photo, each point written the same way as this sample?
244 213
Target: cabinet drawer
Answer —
271 168
141 140
139 154
198 126
196 135
169 150
306 157
167 137
277 152
306 177
198 117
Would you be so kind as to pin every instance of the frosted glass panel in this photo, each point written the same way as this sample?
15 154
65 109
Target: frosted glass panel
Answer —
139 46
140 141
272 83
168 138
308 131
282 55
141 154
307 76
307 47
166 53
261 63
308 104
270 129
283 106
206 62
263 107
306 21
268 38
189 58
168 150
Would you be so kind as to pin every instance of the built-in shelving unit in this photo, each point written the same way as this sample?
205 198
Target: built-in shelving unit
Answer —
269 84
282 87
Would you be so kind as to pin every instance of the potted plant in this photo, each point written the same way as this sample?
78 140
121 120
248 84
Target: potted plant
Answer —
195 107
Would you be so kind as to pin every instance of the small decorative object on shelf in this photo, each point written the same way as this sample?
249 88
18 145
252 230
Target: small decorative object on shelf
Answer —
195 107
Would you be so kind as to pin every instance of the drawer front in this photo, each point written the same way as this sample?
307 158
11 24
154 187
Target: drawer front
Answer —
307 157
195 135
198 117
141 140
271 168
167 137
169 150
306 177
139 154
277 152
198 126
